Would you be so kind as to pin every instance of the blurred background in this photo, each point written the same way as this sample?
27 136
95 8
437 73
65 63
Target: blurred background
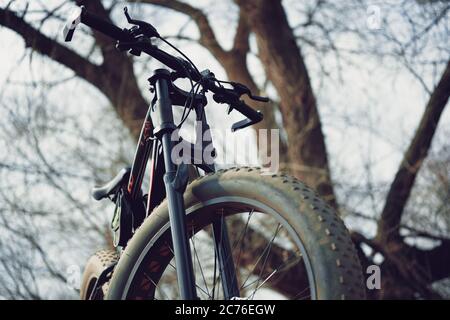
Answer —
359 92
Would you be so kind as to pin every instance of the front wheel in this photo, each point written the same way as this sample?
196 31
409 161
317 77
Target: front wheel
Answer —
286 243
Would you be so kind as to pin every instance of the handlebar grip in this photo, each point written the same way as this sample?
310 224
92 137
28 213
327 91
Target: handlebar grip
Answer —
104 27
248 111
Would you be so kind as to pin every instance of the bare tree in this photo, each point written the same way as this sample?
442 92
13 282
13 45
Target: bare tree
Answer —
44 195
408 270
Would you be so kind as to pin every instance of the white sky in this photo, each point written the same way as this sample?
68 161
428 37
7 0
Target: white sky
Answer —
371 98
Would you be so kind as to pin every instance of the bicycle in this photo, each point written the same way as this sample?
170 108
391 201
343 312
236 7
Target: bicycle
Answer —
263 233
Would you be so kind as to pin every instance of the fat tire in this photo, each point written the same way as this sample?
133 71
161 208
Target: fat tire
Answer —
334 261
94 267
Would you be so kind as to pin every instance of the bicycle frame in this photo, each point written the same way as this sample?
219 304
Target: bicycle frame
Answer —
168 180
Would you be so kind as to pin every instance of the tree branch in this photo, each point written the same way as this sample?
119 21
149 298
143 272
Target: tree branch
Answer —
241 38
114 78
407 269
389 223
41 43
207 37
113 60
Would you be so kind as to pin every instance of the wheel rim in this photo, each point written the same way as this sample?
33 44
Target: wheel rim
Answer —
90 288
155 262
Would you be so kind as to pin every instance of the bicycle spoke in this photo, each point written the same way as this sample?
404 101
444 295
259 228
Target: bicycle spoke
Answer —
199 263
170 264
265 262
278 269
242 234
268 246
299 296
263 270
157 288
215 272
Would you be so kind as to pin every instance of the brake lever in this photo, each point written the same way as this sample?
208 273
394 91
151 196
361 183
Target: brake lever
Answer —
259 98
241 124
247 122
242 89
145 28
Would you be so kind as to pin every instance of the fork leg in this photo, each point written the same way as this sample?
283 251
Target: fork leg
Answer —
225 257
220 230
177 216
164 127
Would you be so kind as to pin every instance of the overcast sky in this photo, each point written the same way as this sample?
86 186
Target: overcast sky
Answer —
381 107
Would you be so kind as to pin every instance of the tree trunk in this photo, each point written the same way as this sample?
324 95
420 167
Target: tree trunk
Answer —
235 65
286 69
234 61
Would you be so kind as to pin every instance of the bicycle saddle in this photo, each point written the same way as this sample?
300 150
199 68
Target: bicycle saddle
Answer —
111 187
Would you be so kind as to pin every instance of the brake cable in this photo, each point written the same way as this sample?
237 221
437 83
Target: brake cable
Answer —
193 94
180 52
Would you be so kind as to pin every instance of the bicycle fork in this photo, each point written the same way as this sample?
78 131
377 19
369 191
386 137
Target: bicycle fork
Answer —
175 181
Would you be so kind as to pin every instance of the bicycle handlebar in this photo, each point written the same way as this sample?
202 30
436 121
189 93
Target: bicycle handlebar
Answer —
124 35
128 39
105 27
